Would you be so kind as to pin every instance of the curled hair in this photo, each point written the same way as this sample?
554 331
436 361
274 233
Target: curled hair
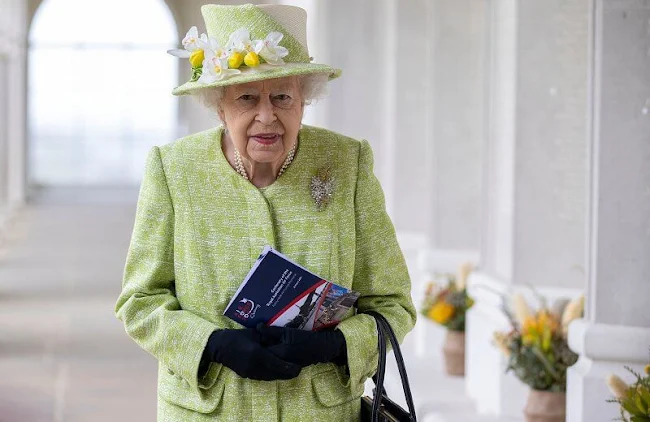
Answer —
313 87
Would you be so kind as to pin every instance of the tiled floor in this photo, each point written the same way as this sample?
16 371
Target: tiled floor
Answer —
63 355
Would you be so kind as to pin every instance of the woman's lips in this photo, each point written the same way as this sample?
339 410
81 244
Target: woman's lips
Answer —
266 138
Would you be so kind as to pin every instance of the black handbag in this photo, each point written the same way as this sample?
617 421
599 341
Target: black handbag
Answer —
380 408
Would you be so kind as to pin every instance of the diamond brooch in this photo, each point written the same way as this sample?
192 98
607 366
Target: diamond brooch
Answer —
322 187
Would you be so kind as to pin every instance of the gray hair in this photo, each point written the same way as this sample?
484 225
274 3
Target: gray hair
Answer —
313 87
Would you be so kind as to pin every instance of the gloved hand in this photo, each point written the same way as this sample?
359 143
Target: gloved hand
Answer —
244 352
306 347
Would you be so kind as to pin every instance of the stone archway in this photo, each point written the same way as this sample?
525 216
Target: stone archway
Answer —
78 140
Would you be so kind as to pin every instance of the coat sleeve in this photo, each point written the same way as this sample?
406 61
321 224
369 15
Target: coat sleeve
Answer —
380 275
147 305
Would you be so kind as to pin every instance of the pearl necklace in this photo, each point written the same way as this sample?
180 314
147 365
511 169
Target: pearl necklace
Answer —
239 165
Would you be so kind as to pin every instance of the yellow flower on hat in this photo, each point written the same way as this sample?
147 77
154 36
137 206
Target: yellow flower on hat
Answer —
235 60
196 58
215 68
252 59
195 47
193 44
239 43
253 51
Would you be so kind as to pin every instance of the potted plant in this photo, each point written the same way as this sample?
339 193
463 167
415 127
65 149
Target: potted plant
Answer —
633 399
538 354
446 303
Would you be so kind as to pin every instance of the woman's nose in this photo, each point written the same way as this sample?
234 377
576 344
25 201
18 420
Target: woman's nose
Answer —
265 112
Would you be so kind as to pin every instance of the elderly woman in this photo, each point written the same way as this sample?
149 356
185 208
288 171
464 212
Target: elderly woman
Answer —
211 201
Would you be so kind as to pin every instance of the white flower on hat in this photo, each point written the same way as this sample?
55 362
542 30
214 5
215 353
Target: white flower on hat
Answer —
243 50
240 41
192 39
211 62
192 43
270 51
194 50
215 68
210 44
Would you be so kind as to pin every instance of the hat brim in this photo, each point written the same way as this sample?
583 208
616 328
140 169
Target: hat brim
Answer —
260 73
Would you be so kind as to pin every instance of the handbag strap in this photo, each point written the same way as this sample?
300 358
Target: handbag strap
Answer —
379 376
401 366
384 330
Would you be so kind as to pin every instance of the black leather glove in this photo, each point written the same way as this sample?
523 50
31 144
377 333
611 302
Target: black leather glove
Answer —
306 347
244 352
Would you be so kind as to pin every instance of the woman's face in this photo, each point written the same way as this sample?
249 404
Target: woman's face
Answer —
263 118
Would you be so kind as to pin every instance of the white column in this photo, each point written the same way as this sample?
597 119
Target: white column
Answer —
4 128
616 329
445 124
534 191
17 148
13 24
457 122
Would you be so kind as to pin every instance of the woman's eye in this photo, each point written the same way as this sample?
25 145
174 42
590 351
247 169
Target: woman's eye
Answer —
247 97
282 100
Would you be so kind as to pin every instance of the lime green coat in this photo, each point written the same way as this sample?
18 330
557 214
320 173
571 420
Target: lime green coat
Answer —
200 226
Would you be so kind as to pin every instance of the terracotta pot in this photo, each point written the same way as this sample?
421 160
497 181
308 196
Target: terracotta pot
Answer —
454 351
545 406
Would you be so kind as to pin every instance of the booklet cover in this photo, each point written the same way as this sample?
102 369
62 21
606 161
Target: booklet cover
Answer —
280 292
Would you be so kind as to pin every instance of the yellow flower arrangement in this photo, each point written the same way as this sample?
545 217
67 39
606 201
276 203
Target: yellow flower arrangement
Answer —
441 312
448 305
536 346
538 330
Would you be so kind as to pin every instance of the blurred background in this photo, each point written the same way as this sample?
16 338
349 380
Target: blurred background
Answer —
510 134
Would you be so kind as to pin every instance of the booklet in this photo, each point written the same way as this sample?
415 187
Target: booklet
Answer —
280 292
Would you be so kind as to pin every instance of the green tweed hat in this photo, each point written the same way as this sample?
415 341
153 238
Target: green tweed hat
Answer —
248 43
